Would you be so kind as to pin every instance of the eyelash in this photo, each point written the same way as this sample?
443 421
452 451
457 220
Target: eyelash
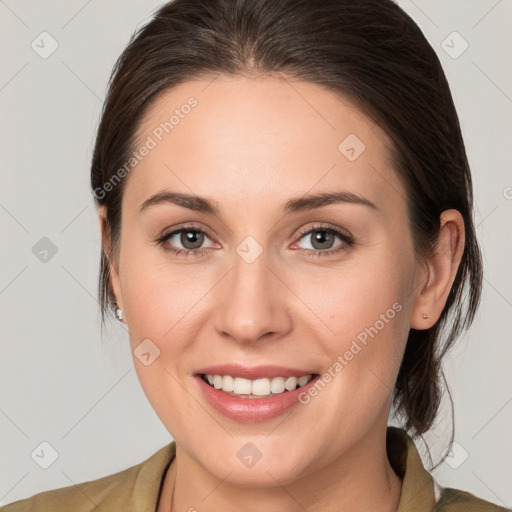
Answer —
197 253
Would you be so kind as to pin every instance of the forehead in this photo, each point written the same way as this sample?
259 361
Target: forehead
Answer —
263 137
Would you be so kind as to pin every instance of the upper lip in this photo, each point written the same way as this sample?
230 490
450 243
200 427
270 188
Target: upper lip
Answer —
255 372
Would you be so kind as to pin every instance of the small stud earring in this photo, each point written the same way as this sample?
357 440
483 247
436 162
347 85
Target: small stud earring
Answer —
119 314
426 316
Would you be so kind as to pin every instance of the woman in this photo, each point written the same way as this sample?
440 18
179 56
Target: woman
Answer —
238 138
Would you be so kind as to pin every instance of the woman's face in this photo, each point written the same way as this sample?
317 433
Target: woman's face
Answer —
259 287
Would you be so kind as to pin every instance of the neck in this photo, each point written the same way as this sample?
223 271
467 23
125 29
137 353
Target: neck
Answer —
360 479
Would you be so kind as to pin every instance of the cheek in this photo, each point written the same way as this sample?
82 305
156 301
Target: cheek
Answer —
167 305
355 296
362 318
162 302
160 296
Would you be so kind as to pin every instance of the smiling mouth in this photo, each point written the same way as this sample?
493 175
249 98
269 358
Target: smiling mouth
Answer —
257 388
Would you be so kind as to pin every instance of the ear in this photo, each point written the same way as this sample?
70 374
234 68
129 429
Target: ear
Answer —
440 273
107 249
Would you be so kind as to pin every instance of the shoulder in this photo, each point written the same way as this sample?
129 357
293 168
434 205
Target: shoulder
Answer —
82 497
128 489
456 500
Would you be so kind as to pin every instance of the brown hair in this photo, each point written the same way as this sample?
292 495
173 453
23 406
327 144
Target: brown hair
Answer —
368 50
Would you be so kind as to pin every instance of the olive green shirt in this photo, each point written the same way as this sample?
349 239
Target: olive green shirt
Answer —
138 488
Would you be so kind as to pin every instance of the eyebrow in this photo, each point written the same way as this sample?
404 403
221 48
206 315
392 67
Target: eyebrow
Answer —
294 205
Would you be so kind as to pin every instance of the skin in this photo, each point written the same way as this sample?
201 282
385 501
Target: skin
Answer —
251 144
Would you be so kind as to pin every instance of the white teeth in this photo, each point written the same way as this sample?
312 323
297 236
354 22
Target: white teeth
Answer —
277 385
260 387
228 383
242 386
257 387
290 383
217 381
303 380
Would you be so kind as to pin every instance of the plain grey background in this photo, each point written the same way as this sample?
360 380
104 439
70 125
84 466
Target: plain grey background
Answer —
62 384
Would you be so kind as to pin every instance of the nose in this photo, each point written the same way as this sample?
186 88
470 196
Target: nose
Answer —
252 302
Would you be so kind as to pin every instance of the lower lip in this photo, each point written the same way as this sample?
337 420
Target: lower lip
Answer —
252 409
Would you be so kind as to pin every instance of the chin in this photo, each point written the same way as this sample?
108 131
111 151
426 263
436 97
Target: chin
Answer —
252 463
